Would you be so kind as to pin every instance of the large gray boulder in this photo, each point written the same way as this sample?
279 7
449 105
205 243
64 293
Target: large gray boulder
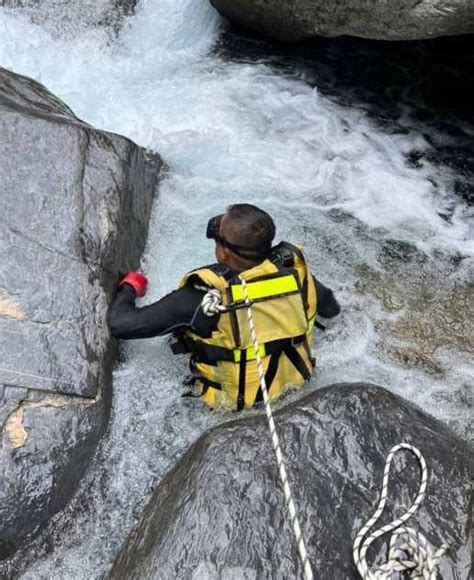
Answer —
220 512
75 205
378 19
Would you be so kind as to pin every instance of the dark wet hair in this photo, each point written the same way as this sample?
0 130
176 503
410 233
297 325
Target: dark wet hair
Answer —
250 226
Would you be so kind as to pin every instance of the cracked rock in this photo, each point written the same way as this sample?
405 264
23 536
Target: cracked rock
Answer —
75 209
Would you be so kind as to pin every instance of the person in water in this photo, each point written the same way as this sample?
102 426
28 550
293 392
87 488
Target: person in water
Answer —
285 299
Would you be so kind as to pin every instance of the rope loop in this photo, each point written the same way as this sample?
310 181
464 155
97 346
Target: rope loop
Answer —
409 550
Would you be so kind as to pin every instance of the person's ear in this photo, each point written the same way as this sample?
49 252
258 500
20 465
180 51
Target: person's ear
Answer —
222 253
226 253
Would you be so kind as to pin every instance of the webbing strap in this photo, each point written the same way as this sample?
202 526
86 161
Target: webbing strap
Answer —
206 383
269 375
294 357
211 354
242 377
298 362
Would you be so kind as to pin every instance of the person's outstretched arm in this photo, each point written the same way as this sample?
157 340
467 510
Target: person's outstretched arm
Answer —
175 311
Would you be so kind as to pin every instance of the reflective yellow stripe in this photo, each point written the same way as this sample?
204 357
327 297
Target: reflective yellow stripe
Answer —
266 288
311 324
250 353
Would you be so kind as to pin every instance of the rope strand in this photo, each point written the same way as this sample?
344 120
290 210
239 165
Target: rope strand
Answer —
308 573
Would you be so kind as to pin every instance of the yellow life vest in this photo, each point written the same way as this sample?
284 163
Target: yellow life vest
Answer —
283 299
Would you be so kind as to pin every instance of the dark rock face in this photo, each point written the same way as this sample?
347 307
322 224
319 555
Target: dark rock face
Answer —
75 210
220 512
377 19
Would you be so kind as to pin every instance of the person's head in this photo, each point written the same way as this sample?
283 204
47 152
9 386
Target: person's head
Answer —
244 236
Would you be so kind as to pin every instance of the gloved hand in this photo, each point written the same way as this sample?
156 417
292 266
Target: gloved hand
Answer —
137 281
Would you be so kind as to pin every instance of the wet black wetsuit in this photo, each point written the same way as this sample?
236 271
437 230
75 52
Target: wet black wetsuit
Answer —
180 310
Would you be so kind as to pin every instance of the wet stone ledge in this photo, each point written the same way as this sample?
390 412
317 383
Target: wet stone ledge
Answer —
377 19
76 204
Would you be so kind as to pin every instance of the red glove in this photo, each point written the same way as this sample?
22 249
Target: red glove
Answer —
137 281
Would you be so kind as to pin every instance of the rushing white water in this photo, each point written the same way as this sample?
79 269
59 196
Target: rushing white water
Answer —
332 179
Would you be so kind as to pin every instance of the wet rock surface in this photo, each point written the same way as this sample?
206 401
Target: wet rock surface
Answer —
220 512
75 210
48 441
379 19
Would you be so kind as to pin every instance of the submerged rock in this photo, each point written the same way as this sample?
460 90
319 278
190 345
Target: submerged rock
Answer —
377 19
220 512
75 210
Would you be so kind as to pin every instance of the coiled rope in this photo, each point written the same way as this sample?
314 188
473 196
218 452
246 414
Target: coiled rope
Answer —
211 304
409 550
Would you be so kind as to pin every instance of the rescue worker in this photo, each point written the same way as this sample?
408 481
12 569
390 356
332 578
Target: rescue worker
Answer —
285 299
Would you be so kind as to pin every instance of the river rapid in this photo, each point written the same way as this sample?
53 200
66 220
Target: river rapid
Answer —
355 171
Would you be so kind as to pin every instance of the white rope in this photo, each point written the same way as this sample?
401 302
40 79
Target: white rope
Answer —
308 573
409 550
211 303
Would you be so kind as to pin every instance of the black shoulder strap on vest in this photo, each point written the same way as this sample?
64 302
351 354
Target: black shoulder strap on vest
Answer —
219 269
222 270
298 362
283 255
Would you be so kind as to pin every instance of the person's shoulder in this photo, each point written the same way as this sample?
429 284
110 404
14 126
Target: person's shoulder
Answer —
204 273
214 267
285 253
